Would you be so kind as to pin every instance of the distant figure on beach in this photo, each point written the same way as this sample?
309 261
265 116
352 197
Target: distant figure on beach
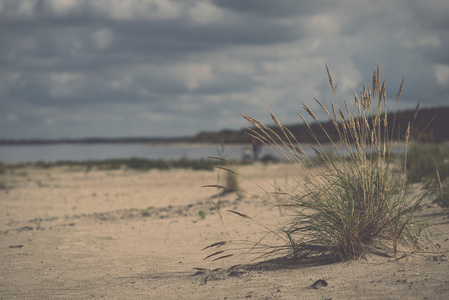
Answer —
247 153
257 147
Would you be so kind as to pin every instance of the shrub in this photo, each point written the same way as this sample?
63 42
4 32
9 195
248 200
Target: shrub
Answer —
350 199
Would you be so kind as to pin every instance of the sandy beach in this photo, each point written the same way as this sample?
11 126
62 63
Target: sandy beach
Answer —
69 233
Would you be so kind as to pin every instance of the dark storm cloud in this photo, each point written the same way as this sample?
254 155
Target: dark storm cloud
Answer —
74 68
43 42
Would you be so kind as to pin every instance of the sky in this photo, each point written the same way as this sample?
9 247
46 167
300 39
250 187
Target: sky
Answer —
167 68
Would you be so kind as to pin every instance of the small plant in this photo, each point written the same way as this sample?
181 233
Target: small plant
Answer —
202 215
352 197
232 184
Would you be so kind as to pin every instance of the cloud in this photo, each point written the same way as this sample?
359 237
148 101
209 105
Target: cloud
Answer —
203 12
169 67
442 74
273 9
102 38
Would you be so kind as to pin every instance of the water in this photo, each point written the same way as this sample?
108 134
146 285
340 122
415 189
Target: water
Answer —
82 152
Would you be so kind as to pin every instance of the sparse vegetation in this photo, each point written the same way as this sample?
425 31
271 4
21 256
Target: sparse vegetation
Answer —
429 164
352 198
232 184
423 162
268 158
140 164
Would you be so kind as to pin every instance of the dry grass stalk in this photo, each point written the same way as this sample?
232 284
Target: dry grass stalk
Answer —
360 199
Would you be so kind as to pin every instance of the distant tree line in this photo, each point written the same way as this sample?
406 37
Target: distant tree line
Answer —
436 132
98 140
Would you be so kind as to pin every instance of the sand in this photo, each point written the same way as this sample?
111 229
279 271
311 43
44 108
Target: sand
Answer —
121 234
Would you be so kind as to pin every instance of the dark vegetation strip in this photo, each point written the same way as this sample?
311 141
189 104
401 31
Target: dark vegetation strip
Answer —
436 133
97 140
131 163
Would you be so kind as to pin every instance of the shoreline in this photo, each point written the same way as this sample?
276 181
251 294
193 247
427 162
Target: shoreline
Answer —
82 153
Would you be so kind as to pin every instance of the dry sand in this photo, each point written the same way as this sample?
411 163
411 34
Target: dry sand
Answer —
121 234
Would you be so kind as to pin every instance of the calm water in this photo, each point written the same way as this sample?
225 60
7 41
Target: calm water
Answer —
80 152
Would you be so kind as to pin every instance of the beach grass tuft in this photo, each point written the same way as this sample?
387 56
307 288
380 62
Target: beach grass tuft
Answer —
352 197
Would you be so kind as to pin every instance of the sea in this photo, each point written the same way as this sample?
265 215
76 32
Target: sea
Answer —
85 152
171 151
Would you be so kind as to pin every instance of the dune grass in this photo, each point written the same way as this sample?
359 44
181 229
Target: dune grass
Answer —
352 197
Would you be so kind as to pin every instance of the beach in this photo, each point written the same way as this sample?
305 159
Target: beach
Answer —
69 232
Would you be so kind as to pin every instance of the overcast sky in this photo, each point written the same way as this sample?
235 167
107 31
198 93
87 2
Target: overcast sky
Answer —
114 68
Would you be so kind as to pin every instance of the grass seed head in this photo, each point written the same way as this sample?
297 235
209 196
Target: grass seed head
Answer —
359 199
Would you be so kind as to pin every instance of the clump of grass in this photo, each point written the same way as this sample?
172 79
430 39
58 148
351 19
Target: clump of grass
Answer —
232 183
352 197
202 215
